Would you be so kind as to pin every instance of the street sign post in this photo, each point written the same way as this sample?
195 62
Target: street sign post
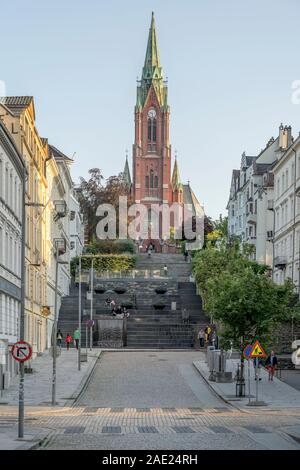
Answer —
246 353
21 351
257 352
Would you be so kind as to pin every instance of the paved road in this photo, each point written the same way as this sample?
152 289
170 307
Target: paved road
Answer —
157 400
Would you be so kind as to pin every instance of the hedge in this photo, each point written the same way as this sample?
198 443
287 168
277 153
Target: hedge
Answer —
105 262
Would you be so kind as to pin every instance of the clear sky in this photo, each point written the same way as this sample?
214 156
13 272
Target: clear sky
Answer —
230 66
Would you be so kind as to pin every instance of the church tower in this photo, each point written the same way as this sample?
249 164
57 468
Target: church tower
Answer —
152 183
151 149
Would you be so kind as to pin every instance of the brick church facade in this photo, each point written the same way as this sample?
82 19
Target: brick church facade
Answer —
152 182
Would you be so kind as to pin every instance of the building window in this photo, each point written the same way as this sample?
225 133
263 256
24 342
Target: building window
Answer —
151 130
151 179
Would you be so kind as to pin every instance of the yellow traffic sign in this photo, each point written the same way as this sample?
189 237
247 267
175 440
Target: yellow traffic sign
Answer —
258 350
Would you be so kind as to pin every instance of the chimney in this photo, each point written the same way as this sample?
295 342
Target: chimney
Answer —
285 136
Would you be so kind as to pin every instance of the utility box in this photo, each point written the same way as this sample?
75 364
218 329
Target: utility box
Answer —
209 355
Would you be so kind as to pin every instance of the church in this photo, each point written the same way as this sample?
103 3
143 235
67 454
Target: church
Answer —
152 182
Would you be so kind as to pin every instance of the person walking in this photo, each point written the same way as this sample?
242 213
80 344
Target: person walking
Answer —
165 270
77 337
257 361
185 315
271 364
208 334
186 255
68 341
59 338
201 337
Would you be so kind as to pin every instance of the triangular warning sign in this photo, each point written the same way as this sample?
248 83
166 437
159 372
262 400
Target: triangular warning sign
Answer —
257 350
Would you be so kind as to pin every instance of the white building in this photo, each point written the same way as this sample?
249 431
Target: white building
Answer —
250 205
287 213
11 177
59 190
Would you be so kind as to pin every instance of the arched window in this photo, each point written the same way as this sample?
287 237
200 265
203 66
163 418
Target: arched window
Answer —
151 179
152 129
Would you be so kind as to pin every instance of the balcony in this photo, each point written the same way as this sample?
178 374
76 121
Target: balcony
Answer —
251 218
280 262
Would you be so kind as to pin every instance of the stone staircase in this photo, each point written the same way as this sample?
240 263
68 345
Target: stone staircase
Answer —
178 268
156 304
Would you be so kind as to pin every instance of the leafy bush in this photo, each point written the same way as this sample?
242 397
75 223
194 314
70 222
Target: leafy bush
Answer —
105 262
111 247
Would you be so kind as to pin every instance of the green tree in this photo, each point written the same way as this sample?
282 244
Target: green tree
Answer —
96 191
212 262
247 306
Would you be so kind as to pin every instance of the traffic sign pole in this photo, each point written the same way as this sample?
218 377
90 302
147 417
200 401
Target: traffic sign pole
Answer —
256 353
22 309
249 381
256 374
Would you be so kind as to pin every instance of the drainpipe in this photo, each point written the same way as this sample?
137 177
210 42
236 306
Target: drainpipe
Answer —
295 176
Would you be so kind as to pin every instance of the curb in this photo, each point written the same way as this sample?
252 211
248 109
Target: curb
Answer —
215 391
84 383
85 379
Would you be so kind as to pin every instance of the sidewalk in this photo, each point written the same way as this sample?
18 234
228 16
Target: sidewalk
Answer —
38 388
276 394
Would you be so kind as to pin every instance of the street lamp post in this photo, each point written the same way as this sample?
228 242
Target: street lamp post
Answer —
79 315
91 313
59 249
54 342
22 303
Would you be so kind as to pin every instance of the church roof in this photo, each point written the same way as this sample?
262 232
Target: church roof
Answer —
176 181
126 175
189 197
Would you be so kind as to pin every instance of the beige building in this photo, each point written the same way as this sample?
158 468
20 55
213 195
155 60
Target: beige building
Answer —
18 115
49 215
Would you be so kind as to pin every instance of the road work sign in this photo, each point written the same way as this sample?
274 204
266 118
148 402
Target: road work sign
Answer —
258 350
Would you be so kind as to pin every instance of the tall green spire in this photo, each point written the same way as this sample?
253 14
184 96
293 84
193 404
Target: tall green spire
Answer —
152 68
152 72
126 175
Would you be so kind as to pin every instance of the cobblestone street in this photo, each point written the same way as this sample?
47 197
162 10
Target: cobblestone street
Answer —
155 400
